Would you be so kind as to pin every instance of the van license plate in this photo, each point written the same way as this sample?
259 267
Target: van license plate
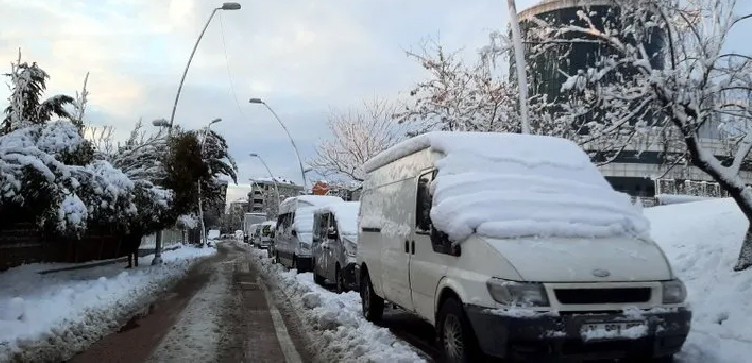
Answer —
608 331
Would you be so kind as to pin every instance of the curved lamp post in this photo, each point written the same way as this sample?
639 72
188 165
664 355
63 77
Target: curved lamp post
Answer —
200 200
258 101
225 6
163 123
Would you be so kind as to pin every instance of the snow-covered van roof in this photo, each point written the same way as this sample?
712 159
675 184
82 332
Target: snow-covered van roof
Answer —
504 185
292 203
346 215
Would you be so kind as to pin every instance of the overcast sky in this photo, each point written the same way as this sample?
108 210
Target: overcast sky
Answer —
301 57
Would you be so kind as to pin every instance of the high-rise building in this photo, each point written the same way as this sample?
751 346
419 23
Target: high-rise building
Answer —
641 169
263 197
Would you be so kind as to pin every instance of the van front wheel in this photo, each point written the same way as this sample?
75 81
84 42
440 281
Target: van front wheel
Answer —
373 305
458 342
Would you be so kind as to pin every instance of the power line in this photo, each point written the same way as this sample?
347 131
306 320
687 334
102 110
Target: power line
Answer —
227 65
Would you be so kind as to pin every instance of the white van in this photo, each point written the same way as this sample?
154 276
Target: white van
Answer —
335 245
514 246
293 235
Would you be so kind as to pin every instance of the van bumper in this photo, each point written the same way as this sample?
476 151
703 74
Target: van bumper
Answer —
304 263
546 336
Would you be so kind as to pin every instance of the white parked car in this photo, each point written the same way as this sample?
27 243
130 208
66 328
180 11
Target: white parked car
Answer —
335 245
293 235
517 247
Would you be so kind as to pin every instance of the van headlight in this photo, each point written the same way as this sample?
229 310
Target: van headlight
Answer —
674 292
351 248
519 294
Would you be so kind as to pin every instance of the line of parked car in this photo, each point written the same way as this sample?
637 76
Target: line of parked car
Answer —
512 246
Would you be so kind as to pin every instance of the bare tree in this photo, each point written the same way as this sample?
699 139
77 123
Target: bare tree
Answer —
457 96
358 135
701 84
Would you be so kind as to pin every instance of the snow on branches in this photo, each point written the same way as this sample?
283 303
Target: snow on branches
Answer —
694 81
358 135
59 196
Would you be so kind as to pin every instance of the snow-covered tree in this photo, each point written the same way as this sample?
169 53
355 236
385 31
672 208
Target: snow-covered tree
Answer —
195 158
457 96
64 198
142 155
25 105
357 135
698 81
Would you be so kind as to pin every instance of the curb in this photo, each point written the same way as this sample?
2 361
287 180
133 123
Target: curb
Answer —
141 253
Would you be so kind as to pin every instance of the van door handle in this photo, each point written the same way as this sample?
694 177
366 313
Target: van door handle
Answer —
407 246
413 245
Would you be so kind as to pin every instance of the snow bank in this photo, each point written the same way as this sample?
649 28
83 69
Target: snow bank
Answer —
702 241
346 216
50 317
511 185
335 322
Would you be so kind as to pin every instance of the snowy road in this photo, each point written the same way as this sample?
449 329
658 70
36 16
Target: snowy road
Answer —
218 312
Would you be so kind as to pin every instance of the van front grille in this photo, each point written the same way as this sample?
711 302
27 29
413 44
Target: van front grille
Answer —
603 296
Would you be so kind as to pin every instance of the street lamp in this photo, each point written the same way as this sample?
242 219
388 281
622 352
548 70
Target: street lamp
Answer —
225 6
164 123
258 101
158 235
519 59
274 180
200 201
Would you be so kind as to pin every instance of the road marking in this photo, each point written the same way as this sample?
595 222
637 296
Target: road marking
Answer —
283 336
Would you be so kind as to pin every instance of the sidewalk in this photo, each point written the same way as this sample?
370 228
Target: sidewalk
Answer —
142 252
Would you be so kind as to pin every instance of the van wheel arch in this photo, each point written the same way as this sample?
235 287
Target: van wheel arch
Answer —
445 294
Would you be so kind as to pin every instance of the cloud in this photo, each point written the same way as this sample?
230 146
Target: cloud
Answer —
301 56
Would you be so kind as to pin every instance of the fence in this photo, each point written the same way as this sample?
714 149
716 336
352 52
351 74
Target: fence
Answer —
23 243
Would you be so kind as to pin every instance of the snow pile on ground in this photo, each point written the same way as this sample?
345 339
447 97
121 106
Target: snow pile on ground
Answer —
50 317
336 324
702 241
547 187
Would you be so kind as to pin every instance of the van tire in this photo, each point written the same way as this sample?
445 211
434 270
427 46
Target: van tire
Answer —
456 337
339 280
372 304
319 280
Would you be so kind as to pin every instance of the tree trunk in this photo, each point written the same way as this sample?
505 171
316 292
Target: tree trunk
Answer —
735 188
745 253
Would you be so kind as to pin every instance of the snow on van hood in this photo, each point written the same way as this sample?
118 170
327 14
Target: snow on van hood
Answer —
504 185
575 259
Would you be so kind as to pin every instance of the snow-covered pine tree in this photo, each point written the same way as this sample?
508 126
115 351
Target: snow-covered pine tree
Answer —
27 85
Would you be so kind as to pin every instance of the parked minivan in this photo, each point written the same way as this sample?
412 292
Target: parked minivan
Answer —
293 235
335 245
514 246
265 234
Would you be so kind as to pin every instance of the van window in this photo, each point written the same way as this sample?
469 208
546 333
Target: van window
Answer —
423 201
285 220
320 223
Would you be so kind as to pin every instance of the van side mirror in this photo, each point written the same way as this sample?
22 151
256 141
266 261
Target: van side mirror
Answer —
294 233
332 234
442 244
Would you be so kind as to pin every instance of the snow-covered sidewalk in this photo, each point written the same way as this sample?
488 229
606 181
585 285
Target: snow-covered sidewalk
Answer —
50 317
702 241
336 326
